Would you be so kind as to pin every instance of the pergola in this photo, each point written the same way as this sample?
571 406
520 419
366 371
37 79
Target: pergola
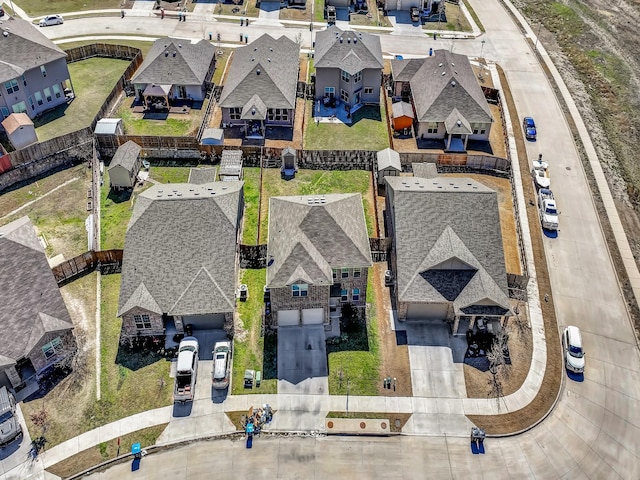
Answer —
157 96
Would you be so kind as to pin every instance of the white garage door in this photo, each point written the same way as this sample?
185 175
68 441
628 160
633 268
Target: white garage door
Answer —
287 318
427 311
312 316
204 322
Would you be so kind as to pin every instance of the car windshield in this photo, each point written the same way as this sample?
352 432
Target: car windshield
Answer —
551 211
5 416
575 351
530 122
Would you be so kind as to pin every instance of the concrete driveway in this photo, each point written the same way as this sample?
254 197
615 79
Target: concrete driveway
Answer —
302 360
13 457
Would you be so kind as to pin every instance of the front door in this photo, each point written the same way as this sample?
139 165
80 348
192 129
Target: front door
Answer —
182 91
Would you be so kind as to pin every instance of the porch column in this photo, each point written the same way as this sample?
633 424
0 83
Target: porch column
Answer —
466 139
472 322
448 141
14 376
456 324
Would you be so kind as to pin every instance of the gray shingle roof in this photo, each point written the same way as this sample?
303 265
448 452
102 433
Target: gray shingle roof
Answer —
448 242
455 123
388 158
24 48
404 70
347 50
126 156
311 235
435 95
402 109
424 169
201 175
179 252
189 66
278 63
31 301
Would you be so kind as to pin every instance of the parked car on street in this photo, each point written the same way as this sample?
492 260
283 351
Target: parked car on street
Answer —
51 20
415 14
529 127
1 11
221 365
547 209
573 353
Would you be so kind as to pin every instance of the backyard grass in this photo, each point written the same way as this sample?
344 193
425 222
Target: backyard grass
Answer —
105 451
251 177
144 46
60 215
115 211
130 382
367 132
169 174
221 63
314 182
356 370
248 349
179 126
91 91
36 8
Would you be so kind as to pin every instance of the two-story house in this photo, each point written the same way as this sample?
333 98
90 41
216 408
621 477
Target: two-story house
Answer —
34 76
318 258
348 67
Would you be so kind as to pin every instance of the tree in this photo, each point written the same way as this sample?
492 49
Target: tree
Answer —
497 356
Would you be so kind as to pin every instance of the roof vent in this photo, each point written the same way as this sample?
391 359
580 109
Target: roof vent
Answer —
174 54
443 74
269 60
5 33
160 191
270 49
166 54
252 59
459 123
340 39
440 65
421 186
197 193
258 72
455 71
453 64
323 200
179 45
165 45
255 49
355 40
224 188
348 39
453 83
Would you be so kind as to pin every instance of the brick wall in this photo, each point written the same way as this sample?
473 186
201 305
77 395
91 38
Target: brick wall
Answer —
129 325
317 297
37 357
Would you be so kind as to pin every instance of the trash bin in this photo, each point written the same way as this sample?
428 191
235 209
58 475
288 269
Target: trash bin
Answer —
258 378
210 36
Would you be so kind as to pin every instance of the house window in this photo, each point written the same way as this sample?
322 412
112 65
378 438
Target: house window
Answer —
43 70
4 111
344 96
24 81
299 289
345 77
278 114
142 321
19 107
47 94
368 90
345 273
38 96
56 90
432 127
355 294
33 105
329 91
11 86
234 113
357 78
344 295
335 273
356 273
52 348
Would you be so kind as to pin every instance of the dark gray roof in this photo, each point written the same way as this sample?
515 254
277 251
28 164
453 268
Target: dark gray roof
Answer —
448 242
402 109
126 156
24 48
404 70
31 303
424 169
201 175
179 251
311 235
388 158
266 69
347 50
444 82
173 61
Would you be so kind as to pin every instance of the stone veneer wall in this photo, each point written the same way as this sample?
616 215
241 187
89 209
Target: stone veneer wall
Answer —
352 282
37 356
282 299
129 325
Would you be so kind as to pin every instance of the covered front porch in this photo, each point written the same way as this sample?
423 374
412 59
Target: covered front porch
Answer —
458 130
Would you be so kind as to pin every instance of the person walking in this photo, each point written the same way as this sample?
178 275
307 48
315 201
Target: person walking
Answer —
162 13
121 13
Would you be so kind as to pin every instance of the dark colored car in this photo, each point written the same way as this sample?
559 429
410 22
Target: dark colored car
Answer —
415 14
1 11
529 127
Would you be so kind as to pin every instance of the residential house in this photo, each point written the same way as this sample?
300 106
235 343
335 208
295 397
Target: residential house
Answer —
37 331
260 88
448 102
125 165
447 254
348 67
34 76
179 263
175 70
20 130
318 258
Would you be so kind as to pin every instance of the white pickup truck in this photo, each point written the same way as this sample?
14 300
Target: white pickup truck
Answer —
187 370
547 209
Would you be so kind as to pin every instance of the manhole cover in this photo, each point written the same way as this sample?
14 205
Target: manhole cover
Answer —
568 168
330 424
363 425
383 425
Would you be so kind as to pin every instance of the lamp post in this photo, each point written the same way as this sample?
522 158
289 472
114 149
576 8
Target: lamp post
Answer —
482 47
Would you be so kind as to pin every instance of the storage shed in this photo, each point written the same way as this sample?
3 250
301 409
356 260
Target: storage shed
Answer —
20 130
388 164
402 115
289 163
109 126
125 165
230 165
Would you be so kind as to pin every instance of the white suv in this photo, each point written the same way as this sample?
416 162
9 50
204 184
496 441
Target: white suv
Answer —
573 353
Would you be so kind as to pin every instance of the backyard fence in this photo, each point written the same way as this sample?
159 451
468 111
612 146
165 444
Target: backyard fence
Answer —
380 248
109 261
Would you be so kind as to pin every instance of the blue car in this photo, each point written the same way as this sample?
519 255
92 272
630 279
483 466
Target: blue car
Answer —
529 127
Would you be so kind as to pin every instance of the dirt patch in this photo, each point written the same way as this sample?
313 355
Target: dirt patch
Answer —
397 421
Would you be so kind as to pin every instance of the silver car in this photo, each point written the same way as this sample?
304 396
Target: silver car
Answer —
51 20
10 428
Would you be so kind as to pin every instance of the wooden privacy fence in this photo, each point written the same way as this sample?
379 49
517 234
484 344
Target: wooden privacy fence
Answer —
110 261
50 147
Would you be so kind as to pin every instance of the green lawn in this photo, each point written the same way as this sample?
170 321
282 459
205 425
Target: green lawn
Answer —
115 211
358 369
169 174
314 182
130 382
91 91
248 349
367 132
38 7
251 205
318 12
179 126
